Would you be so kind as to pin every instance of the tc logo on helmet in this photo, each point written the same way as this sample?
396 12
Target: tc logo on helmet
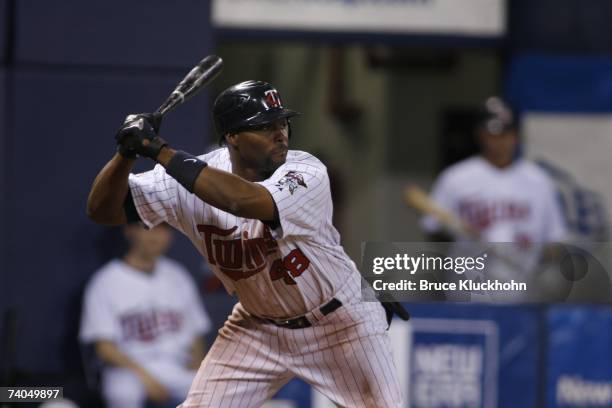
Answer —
273 99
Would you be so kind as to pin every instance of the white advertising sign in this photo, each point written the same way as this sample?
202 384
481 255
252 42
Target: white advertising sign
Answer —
478 18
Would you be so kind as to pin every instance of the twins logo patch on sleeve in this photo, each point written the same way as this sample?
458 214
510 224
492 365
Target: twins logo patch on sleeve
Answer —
292 180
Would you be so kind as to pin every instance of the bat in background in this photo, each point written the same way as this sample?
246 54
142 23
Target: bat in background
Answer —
418 198
199 76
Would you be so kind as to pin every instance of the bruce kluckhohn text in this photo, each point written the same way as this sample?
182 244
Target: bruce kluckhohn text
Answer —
422 263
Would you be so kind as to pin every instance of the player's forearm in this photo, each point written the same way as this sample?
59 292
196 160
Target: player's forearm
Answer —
234 194
111 354
108 352
108 192
229 192
197 352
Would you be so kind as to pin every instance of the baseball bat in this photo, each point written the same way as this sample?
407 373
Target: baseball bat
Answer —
417 198
199 76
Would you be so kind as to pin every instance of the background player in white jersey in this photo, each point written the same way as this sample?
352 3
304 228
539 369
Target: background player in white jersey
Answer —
261 216
500 196
144 317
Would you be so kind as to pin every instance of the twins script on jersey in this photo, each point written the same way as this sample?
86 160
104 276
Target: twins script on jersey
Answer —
149 316
294 268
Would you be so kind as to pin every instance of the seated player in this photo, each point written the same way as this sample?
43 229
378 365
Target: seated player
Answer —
143 315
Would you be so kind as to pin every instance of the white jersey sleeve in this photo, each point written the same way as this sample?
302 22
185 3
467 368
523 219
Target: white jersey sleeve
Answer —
300 189
155 196
98 321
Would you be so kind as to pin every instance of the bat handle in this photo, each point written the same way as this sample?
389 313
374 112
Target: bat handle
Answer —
175 98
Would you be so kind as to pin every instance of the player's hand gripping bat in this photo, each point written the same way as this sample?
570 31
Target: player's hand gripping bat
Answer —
138 135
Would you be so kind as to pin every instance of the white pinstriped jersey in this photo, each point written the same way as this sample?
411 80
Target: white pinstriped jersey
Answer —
275 273
151 317
513 204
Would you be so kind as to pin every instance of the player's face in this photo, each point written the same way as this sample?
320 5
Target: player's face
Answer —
149 243
499 148
264 148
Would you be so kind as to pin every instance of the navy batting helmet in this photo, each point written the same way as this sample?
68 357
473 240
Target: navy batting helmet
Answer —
496 116
247 105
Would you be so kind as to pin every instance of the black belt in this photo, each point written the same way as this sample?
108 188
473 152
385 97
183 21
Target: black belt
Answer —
302 322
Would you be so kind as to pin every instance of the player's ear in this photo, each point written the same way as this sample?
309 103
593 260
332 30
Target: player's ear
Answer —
232 139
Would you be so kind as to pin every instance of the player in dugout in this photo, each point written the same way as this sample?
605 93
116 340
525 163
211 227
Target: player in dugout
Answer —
500 197
143 316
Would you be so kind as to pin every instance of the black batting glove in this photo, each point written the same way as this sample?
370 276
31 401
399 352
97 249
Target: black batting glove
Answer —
138 136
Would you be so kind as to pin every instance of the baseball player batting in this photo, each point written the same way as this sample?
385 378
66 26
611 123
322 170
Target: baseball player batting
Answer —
261 215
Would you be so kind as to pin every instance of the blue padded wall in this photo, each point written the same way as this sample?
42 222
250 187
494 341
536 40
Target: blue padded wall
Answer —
513 334
579 355
63 135
560 83
157 33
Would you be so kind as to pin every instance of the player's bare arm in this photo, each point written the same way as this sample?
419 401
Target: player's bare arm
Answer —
218 188
228 192
108 192
108 352
197 352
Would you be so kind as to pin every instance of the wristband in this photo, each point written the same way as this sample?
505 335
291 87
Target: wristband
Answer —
185 169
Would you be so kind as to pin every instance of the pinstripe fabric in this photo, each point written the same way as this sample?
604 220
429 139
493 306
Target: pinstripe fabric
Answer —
345 356
282 273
